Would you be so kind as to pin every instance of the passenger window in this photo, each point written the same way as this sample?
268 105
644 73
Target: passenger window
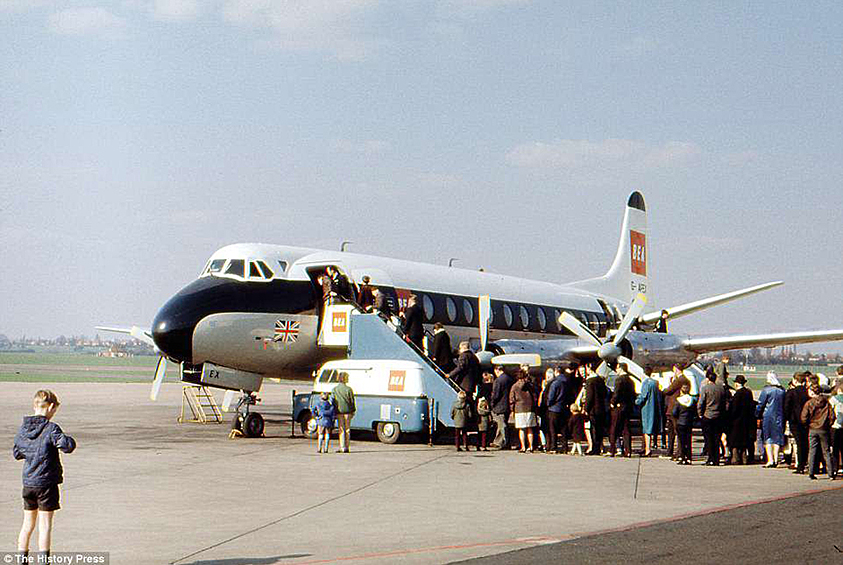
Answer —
267 272
216 265
525 317
253 271
468 310
542 318
507 315
236 267
429 311
451 307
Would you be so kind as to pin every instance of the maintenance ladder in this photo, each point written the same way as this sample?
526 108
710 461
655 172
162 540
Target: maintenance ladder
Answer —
202 405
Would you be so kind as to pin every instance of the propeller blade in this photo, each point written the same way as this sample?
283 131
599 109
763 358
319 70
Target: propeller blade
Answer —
632 367
531 359
228 399
484 313
603 370
631 316
578 329
159 377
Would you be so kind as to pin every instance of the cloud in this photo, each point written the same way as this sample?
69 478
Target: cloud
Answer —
615 154
87 21
336 27
176 9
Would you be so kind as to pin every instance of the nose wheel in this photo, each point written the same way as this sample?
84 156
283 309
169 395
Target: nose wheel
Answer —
249 423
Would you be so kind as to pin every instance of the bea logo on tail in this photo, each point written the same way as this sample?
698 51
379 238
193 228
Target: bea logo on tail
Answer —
638 252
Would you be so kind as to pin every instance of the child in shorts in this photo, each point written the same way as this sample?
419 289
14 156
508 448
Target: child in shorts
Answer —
38 442
325 412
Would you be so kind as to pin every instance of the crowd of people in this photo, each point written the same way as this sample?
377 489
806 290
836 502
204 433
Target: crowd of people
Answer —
571 405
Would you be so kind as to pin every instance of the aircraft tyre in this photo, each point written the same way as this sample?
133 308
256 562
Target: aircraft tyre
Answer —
253 425
308 426
389 432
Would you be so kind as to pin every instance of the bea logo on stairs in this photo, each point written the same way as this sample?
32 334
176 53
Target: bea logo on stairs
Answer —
340 322
396 381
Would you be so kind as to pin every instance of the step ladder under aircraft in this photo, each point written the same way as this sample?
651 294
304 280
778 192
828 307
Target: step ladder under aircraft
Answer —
202 404
370 337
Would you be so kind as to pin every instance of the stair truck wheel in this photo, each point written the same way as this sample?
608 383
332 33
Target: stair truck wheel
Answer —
253 425
389 432
308 425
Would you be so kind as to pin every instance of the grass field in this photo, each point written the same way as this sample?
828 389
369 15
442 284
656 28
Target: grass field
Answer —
48 366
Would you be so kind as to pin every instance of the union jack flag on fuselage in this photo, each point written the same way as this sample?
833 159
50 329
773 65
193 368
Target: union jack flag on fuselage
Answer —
286 331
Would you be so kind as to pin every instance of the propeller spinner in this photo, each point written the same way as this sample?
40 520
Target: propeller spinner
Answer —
610 351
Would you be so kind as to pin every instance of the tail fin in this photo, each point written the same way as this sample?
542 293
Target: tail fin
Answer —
628 274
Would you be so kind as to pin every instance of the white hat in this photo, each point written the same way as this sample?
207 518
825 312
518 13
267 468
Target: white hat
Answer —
773 379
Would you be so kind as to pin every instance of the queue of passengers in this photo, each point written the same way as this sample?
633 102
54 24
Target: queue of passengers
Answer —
573 404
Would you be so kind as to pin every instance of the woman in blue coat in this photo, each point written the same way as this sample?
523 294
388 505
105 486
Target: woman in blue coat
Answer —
770 407
649 399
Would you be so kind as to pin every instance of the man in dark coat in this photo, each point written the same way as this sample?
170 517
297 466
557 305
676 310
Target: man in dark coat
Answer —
366 298
500 407
794 400
467 372
441 351
412 324
595 406
711 408
555 395
741 422
620 409
382 304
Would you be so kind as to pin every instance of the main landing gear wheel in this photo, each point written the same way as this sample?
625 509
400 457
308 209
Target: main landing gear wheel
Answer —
389 432
308 427
253 425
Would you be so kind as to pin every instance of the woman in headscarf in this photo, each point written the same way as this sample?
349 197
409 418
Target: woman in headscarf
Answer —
770 408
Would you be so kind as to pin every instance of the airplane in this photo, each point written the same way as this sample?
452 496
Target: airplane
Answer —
255 311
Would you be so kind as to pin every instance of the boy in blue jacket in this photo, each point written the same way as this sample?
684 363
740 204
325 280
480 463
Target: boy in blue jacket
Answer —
325 412
38 442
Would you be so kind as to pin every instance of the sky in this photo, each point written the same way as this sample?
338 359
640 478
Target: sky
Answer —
139 136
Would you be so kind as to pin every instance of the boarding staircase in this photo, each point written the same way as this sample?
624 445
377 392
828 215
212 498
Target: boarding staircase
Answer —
369 336
203 407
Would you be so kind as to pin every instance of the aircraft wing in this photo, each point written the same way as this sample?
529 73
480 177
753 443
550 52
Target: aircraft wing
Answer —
707 344
696 306
137 332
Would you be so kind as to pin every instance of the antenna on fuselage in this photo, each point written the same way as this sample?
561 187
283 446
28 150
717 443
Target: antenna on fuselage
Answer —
451 261
344 243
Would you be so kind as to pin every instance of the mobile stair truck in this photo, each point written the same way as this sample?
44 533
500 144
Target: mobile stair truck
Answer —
397 388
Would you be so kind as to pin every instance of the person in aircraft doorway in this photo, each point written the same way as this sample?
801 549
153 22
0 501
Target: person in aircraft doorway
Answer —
661 325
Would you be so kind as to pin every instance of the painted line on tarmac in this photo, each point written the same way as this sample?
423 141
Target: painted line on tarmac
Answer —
541 540
312 507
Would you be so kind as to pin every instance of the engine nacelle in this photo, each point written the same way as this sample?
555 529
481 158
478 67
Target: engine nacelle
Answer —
656 351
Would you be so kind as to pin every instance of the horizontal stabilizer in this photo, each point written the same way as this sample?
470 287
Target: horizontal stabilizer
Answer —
141 334
692 307
706 344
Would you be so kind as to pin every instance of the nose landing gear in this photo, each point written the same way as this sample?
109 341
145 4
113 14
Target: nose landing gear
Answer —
247 423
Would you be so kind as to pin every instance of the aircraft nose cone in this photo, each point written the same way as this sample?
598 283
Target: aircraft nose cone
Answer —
172 332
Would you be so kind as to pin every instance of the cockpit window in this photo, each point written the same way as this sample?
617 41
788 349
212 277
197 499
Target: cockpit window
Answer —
267 272
283 265
236 267
216 265
253 271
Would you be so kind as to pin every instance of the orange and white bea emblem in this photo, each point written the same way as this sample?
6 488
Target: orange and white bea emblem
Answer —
396 381
638 249
340 322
